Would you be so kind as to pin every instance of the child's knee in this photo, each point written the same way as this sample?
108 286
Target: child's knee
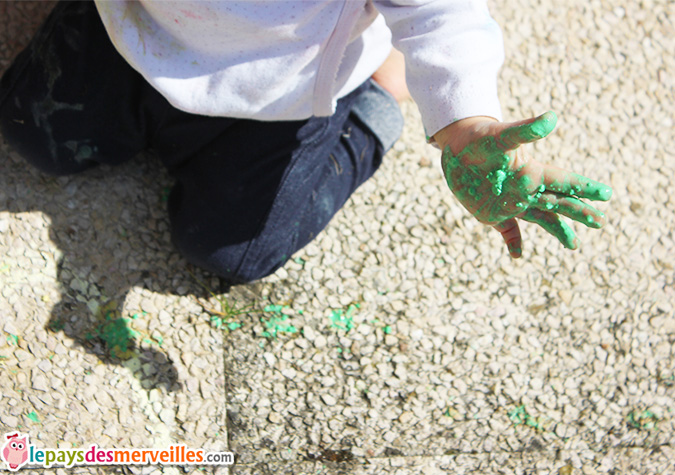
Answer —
34 145
238 263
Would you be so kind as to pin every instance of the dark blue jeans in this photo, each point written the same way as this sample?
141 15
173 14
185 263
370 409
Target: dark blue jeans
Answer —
248 194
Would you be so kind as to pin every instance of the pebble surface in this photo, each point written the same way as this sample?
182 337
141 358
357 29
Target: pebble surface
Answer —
459 359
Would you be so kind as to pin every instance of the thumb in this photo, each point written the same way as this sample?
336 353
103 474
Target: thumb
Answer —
528 130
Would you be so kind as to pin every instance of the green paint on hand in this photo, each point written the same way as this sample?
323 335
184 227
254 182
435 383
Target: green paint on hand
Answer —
538 129
497 178
483 178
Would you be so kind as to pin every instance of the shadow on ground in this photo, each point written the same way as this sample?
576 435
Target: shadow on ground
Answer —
111 228
111 239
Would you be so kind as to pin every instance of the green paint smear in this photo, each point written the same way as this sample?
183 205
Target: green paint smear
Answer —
497 178
116 333
520 416
344 320
275 308
277 322
12 339
276 325
643 419
33 416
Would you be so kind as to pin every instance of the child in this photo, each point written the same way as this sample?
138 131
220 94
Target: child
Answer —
265 113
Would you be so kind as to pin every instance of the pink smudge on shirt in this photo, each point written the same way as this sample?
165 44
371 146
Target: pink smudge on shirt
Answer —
189 14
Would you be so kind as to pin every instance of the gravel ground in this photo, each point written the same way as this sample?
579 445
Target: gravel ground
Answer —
404 340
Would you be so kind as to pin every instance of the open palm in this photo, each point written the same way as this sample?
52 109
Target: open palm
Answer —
497 183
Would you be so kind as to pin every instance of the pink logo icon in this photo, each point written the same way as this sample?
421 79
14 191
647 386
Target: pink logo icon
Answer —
15 451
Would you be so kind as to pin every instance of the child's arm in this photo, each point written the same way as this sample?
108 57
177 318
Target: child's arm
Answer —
496 182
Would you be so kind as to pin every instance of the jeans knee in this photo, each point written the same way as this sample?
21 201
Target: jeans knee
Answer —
40 149
238 263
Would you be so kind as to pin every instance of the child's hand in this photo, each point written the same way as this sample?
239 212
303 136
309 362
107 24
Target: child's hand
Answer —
491 177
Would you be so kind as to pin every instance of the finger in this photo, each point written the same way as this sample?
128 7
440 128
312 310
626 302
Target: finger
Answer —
511 233
567 183
570 207
529 131
553 225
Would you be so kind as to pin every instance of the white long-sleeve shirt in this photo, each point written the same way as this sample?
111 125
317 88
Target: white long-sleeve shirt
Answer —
292 59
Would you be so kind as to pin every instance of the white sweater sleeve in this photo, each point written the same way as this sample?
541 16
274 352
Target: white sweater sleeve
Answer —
453 51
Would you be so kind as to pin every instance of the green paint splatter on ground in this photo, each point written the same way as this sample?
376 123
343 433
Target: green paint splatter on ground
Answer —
33 416
277 309
520 416
387 330
344 320
277 323
218 322
56 325
299 260
644 420
453 413
12 339
115 332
